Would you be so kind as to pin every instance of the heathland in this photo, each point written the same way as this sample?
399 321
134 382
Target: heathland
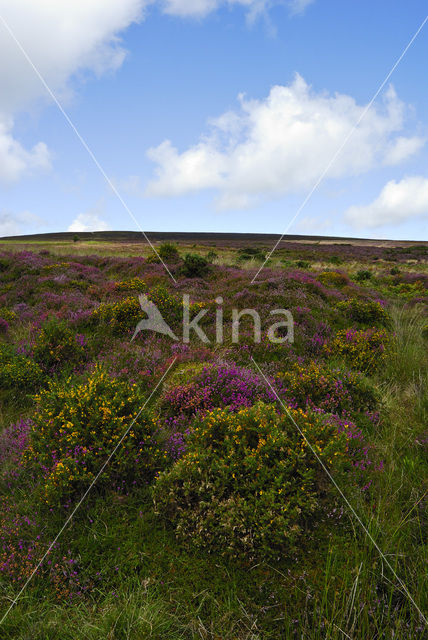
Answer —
238 489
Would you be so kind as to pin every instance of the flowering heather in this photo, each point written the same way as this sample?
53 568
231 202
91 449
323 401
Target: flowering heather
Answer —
217 386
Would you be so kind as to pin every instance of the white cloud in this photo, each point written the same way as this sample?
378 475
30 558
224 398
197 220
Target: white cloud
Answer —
131 186
89 221
12 224
201 8
15 160
397 202
299 6
281 145
313 226
61 38
402 148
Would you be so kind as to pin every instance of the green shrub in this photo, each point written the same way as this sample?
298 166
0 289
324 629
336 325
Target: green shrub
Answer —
18 372
57 347
211 256
335 260
194 266
247 484
250 253
303 264
365 312
168 252
75 429
363 274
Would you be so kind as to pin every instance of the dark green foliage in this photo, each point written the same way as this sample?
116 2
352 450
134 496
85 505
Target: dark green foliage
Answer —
194 266
368 312
58 347
250 253
168 252
363 275
211 256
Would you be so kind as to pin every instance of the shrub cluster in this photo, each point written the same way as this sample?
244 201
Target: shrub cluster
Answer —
216 386
120 316
194 266
364 349
333 278
133 284
332 390
57 347
365 312
248 483
17 371
75 428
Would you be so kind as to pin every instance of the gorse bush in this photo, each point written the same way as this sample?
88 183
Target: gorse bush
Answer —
133 284
364 349
75 428
18 372
7 314
315 385
365 312
333 278
248 484
57 347
121 316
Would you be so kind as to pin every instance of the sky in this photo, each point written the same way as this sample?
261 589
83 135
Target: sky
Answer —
206 115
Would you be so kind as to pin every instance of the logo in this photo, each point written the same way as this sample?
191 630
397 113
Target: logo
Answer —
277 333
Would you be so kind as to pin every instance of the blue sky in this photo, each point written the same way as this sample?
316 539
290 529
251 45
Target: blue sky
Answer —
211 116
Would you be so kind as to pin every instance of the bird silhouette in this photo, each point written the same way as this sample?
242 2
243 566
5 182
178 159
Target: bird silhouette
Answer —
154 320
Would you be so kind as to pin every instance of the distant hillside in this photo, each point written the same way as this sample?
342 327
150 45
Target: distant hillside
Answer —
225 239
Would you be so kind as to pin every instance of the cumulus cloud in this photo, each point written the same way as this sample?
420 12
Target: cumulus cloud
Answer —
89 221
61 38
15 160
397 202
12 224
65 38
281 145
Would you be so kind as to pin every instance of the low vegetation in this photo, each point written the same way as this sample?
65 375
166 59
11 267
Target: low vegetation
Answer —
216 516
